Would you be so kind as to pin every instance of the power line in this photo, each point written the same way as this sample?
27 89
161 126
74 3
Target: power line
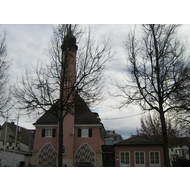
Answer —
122 117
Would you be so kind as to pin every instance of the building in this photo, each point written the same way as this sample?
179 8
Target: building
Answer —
139 151
108 155
112 137
82 139
23 147
180 150
83 133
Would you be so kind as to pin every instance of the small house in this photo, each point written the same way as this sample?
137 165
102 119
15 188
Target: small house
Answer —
139 151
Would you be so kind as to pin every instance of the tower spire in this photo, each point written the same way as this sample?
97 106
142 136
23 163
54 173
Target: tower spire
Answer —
69 41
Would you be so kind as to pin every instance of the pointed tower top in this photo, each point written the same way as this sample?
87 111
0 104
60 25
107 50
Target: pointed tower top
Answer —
69 40
69 37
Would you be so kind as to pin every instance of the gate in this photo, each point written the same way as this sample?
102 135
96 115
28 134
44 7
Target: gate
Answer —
108 156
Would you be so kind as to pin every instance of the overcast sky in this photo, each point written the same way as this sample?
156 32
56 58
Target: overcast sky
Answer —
27 44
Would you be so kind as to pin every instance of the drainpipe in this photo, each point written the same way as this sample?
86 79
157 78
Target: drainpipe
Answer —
5 138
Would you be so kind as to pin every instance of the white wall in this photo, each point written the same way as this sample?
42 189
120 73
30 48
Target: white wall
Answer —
8 161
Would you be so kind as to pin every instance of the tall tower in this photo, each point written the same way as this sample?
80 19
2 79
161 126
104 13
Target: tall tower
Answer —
69 49
68 76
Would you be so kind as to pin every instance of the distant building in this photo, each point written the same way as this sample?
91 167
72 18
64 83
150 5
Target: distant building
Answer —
108 155
112 137
180 150
23 147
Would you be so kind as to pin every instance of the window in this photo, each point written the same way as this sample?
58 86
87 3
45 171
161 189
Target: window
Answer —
124 159
85 132
139 159
48 132
154 158
108 142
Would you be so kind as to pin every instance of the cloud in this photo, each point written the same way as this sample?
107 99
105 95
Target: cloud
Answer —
26 44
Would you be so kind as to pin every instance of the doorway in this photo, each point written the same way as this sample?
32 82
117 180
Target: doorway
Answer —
108 156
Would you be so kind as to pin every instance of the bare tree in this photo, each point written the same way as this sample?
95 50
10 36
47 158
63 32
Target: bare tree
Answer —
182 113
158 69
58 84
151 127
4 66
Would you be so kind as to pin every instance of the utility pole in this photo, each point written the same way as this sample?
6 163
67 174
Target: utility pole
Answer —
5 138
15 140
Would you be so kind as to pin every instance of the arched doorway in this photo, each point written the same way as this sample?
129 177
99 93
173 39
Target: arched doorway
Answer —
85 156
47 156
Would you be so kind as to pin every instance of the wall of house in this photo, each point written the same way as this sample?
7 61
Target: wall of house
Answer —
68 139
8 132
92 144
95 141
133 149
40 142
8 161
23 146
179 151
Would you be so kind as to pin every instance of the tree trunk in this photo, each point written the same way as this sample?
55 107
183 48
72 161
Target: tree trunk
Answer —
60 124
60 153
165 139
61 107
160 101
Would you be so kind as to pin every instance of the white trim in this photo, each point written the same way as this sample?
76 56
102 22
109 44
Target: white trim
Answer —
124 165
90 148
82 132
44 145
38 153
82 144
154 165
87 125
46 126
49 136
140 165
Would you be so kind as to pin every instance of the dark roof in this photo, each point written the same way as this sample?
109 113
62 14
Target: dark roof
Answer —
24 133
83 114
180 141
49 117
138 140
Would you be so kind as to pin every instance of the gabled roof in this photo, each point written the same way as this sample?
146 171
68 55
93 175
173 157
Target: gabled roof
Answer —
138 140
48 117
24 133
83 114
180 141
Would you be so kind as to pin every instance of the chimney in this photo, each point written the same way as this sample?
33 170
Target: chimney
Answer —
113 131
